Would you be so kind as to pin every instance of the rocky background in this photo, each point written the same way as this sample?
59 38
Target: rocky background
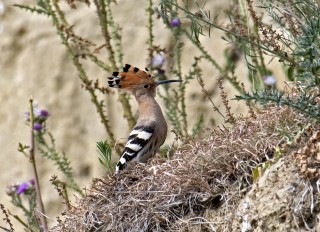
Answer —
34 63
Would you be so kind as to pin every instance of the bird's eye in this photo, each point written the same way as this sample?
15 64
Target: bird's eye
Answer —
146 86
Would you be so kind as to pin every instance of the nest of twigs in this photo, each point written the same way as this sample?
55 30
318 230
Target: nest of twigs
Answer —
172 194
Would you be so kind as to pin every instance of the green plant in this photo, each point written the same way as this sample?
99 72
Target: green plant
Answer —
306 102
36 119
105 152
27 195
259 169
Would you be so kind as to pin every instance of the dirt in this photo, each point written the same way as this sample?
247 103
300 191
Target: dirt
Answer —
280 201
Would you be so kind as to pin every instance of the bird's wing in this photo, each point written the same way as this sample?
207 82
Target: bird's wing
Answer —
138 139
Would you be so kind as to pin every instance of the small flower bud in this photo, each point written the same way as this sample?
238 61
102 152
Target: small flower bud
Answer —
37 126
269 80
44 113
32 182
22 188
158 60
161 71
175 22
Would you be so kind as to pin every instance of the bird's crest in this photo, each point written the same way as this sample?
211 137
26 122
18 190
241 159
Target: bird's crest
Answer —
130 77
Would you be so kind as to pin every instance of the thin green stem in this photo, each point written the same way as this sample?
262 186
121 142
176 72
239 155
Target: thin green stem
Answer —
101 10
150 27
98 62
178 52
60 13
25 225
18 202
35 173
127 110
116 36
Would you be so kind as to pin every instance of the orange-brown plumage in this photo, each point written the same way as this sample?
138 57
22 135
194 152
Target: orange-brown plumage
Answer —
131 77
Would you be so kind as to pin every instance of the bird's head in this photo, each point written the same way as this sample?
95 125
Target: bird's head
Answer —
136 81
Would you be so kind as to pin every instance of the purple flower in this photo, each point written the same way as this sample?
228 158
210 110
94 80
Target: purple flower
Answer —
158 60
22 188
40 114
175 22
44 113
37 126
32 182
36 112
36 109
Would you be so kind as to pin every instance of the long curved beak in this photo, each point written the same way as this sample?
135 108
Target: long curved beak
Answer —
166 81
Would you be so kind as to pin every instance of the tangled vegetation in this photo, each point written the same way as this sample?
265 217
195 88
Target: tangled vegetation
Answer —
204 176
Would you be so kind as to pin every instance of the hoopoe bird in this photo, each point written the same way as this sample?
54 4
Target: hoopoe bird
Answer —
150 132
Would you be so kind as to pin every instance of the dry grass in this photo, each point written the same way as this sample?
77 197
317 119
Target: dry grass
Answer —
171 195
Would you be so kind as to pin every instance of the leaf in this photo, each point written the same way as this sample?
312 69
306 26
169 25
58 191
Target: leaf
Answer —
105 152
22 147
198 126
101 161
290 73
255 173
32 9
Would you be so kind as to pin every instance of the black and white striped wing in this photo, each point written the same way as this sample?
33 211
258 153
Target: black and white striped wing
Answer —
138 143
